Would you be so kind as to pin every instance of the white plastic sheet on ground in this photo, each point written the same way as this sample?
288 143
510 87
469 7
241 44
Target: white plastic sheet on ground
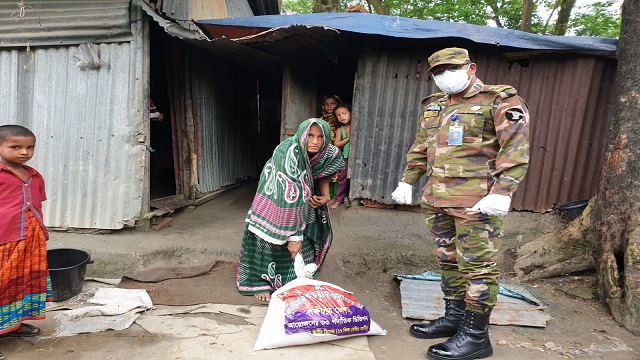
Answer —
116 309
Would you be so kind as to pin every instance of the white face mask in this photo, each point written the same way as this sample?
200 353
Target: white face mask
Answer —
453 81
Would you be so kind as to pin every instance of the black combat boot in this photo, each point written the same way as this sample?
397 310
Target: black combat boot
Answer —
445 326
471 341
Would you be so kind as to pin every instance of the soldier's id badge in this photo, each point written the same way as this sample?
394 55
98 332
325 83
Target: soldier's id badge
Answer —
455 134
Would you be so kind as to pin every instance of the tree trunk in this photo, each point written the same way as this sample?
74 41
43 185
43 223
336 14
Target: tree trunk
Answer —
378 7
617 252
320 6
564 251
566 6
612 223
527 14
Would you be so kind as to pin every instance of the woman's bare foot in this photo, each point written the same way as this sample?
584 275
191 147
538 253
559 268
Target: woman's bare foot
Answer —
336 205
331 202
266 297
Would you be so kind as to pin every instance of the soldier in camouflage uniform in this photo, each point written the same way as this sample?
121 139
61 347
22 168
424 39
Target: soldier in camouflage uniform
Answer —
473 143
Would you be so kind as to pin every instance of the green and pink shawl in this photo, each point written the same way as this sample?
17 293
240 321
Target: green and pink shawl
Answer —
280 210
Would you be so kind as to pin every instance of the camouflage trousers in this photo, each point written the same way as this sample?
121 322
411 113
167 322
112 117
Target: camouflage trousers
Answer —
467 245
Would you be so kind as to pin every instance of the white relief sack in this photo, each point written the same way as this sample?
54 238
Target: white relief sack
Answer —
307 311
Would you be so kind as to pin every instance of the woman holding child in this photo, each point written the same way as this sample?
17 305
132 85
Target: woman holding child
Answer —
289 213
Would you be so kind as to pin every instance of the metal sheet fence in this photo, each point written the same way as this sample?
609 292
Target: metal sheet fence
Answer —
88 124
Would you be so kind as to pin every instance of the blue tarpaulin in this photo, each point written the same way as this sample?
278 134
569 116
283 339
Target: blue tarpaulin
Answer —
405 28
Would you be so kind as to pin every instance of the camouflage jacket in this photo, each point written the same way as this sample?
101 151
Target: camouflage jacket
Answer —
494 154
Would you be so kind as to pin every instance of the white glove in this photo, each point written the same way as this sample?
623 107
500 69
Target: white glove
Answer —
402 194
493 204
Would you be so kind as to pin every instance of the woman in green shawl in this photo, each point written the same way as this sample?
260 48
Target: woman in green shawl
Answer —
289 213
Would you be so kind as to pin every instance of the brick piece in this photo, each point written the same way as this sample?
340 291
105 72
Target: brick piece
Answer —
165 223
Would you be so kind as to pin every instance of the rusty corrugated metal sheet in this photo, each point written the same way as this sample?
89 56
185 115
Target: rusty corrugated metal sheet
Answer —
45 22
568 97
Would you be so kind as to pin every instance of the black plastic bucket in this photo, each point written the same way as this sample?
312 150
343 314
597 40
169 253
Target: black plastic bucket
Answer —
67 268
571 210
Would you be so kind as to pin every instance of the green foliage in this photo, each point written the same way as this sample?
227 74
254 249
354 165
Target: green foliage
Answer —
296 6
306 6
442 10
598 19
506 13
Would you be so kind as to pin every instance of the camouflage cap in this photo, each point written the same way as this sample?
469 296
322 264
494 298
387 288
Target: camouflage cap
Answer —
455 56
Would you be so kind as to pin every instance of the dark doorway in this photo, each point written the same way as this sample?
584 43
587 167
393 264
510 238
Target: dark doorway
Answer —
162 173
269 101
336 78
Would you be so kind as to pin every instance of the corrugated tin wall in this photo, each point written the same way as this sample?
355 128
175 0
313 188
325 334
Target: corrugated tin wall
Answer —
214 107
299 99
46 22
88 123
385 119
225 103
568 97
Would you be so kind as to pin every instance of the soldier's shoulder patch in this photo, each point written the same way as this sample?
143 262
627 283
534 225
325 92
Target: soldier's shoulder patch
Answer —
505 91
426 100
514 114
431 110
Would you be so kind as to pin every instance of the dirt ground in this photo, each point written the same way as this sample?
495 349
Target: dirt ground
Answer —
380 243
370 246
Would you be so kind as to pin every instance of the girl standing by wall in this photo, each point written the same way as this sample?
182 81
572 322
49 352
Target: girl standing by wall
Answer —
329 104
343 136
